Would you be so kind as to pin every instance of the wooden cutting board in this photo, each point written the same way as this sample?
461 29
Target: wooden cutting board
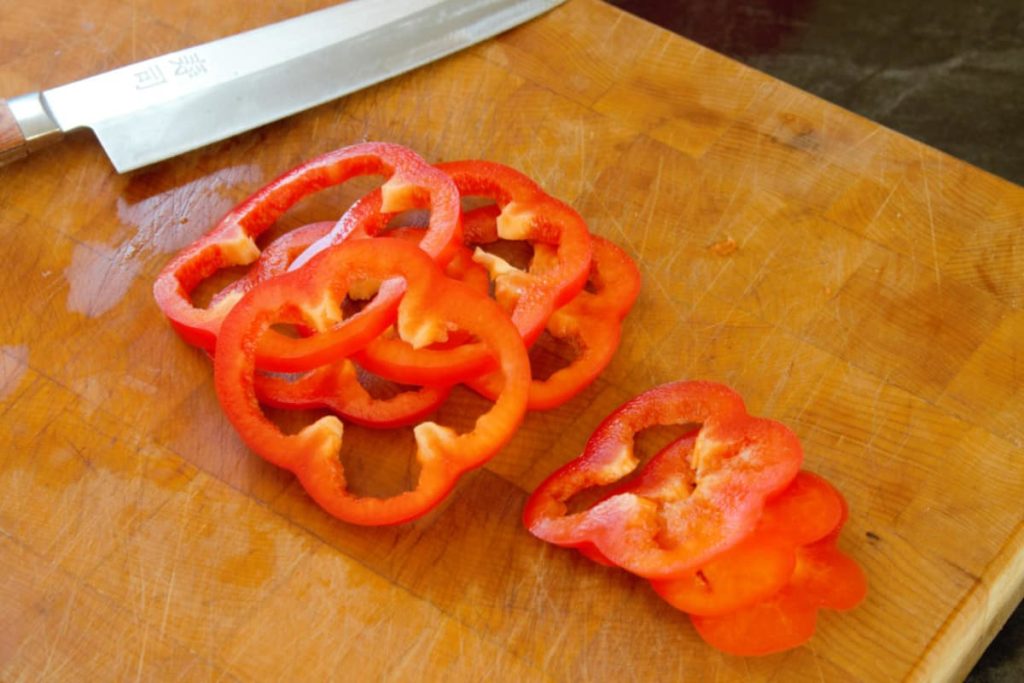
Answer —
858 286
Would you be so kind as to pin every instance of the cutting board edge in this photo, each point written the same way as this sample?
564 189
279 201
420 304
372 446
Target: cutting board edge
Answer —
963 638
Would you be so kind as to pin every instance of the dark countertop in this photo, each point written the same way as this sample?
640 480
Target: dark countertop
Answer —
949 74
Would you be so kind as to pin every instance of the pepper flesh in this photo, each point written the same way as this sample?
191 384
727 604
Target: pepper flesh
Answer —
411 182
526 213
336 386
430 305
761 564
738 462
521 211
823 578
591 321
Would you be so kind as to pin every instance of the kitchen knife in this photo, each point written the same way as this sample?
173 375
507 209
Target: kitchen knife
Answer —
165 106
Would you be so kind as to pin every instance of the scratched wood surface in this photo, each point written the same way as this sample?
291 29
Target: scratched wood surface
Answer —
852 283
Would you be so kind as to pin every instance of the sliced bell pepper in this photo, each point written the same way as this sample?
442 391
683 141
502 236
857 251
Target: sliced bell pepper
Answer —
411 182
528 214
591 321
521 211
390 357
274 260
337 388
705 508
439 365
761 564
430 305
823 577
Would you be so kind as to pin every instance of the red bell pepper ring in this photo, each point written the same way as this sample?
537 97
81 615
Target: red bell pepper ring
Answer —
411 182
591 321
431 305
823 578
337 388
521 211
738 462
274 260
761 564
528 214
439 364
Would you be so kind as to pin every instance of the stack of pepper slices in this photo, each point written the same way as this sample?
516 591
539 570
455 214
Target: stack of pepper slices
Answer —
722 521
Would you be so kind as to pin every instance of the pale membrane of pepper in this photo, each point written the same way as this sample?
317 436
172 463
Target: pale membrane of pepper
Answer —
321 440
515 221
397 195
323 314
240 250
509 281
432 440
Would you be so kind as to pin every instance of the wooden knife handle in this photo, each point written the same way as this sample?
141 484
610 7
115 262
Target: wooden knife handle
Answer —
12 140
25 126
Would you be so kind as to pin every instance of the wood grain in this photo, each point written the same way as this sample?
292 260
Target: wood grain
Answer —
872 301
12 140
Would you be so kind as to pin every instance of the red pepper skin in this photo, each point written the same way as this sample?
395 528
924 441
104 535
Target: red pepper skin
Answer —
410 182
431 304
738 462
337 388
823 578
368 217
522 211
274 259
761 564
592 320
439 365
528 213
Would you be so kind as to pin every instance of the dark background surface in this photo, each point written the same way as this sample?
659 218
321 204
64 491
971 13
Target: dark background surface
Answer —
948 73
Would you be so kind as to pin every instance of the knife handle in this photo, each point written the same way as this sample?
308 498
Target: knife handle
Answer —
25 126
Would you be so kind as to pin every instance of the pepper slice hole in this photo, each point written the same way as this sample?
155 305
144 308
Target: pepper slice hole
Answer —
549 354
656 443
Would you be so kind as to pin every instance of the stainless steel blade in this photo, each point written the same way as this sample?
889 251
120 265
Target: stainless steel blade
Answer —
162 107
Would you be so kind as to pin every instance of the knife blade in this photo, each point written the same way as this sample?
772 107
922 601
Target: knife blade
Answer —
162 107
